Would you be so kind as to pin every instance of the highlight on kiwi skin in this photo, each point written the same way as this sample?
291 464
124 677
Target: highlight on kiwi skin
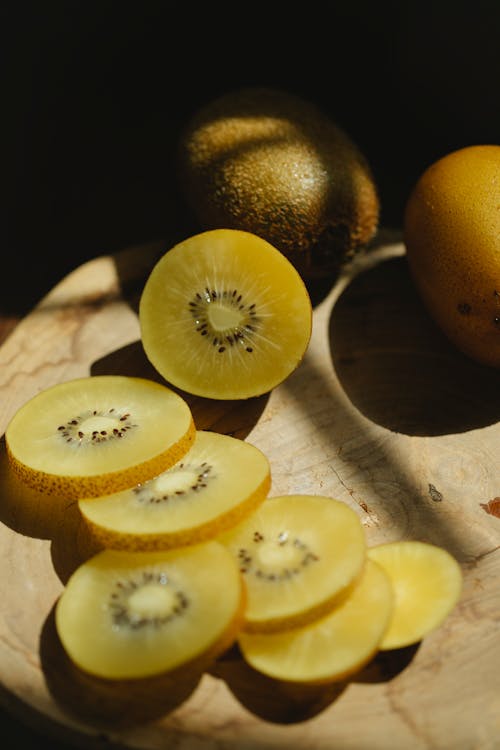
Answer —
215 485
299 555
96 435
269 162
225 315
125 615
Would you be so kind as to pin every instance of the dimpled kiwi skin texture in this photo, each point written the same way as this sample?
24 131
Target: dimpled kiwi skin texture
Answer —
79 487
452 238
268 162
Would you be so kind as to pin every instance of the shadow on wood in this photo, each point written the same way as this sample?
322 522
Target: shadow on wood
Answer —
109 703
397 368
230 417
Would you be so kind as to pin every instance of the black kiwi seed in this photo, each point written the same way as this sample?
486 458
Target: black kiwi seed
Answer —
146 494
247 562
74 429
243 333
120 612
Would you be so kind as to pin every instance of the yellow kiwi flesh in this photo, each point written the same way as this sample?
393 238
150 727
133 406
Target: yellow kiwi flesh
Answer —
96 435
427 583
216 484
299 555
225 315
127 615
331 647
272 163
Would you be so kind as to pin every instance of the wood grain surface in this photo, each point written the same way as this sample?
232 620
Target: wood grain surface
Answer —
383 414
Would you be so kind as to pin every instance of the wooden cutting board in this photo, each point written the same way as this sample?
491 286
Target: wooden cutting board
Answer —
383 414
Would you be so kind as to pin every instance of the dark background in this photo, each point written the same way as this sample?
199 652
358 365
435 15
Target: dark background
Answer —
96 92
94 95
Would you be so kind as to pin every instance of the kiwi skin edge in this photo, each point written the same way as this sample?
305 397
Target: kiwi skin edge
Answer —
79 487
170 540
281 624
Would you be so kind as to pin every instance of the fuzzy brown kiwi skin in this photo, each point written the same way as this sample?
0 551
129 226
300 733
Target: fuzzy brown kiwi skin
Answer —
193 535
79 487
316 240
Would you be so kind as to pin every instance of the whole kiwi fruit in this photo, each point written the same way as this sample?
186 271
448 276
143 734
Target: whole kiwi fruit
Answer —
271 163
452 238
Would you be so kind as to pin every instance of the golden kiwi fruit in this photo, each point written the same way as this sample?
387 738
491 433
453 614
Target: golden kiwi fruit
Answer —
452 237
269 162
95 435
299 555
427 583
215 485
129 615
225 315
332 647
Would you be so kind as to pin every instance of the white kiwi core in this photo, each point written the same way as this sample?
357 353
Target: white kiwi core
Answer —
175 482
223 318
151 600
273 554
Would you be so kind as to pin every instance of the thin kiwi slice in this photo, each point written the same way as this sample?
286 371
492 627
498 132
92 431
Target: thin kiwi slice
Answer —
225 315
127 615
332 647
218 482
95 435
299 555
427 584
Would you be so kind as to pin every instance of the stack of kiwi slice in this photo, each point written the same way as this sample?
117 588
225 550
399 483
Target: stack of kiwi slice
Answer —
220 480
154 492
321 603
195 555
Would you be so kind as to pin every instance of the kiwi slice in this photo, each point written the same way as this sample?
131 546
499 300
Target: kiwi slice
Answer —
217 483
127 615
95 435
332 647
225 315
427 583
299 555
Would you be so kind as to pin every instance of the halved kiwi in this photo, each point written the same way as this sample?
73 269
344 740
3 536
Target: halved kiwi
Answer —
427 583
299 555
96 435
332 647
225 315
218 482
126 615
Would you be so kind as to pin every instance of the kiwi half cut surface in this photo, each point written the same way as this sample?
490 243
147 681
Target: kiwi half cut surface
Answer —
218 482
299 555
427 583
332 647
225 315
125 615
95 435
